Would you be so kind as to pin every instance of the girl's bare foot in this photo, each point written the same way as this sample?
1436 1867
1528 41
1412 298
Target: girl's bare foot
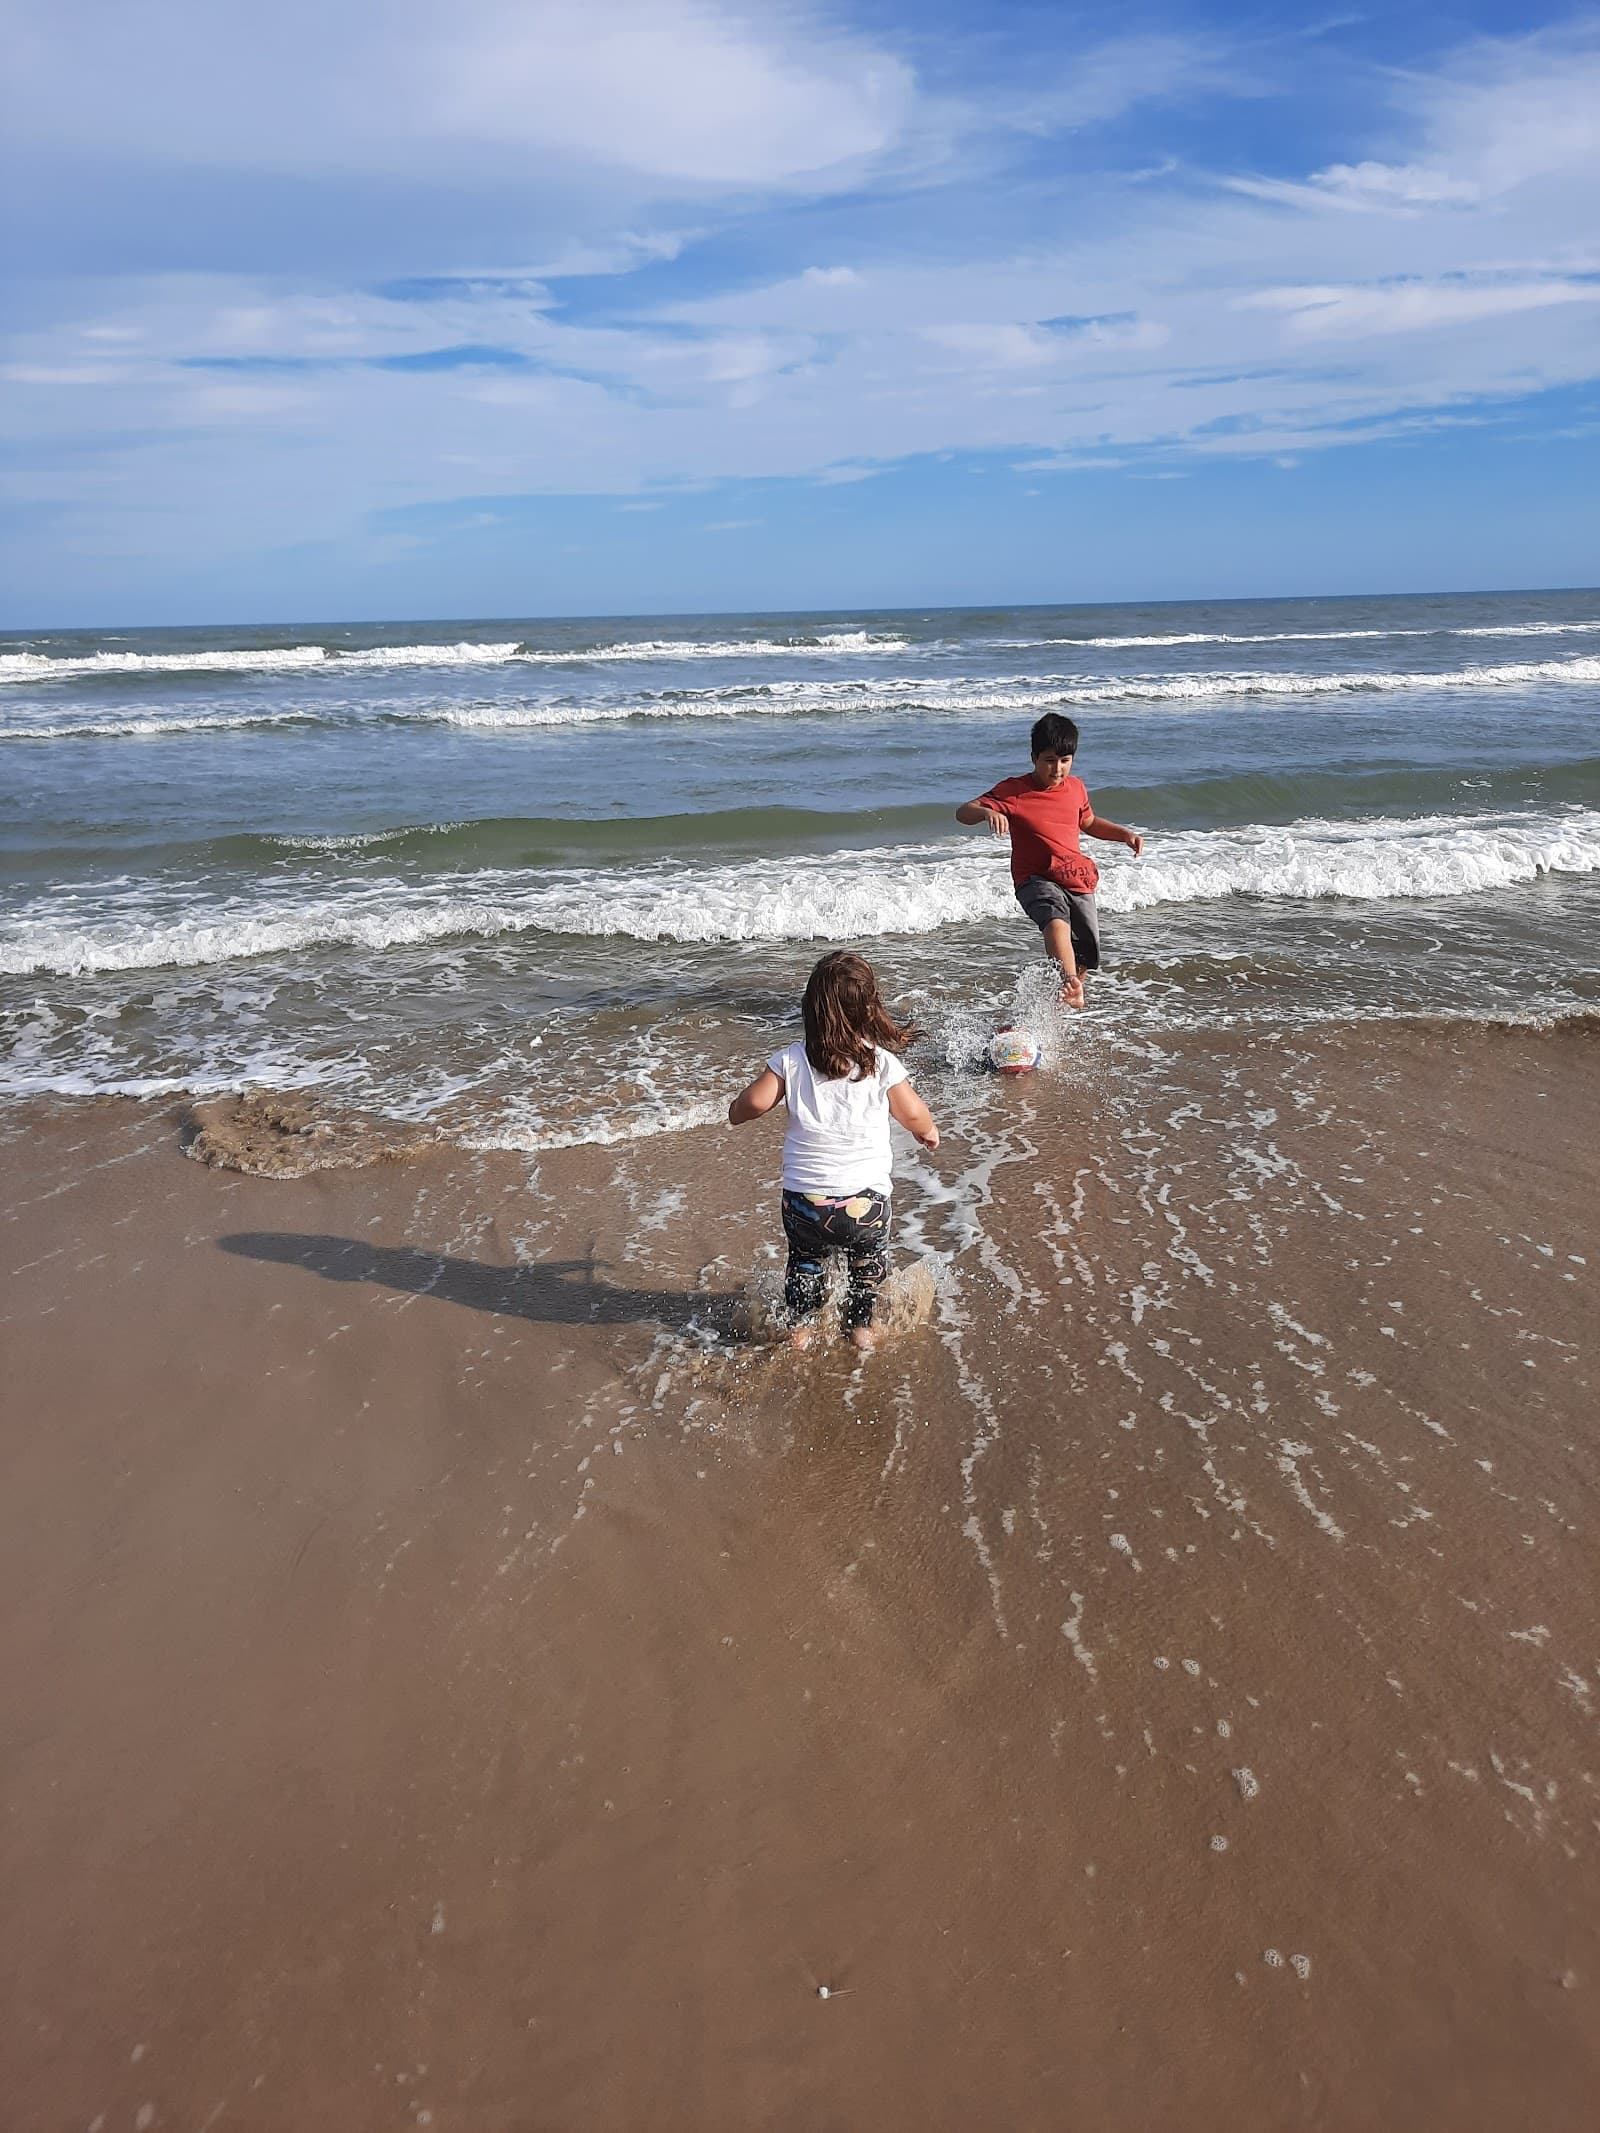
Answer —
800 1336
864 1338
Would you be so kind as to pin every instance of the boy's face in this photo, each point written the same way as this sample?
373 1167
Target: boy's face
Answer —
1050 769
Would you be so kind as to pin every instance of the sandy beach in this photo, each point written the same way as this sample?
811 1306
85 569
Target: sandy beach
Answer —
451 1682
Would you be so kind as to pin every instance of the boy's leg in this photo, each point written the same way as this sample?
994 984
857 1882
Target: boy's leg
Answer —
805 1276
1058 945
1050 908
1084 916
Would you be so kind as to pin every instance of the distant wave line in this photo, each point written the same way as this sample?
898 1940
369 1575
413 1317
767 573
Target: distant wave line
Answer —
798 699
301 658
1177 637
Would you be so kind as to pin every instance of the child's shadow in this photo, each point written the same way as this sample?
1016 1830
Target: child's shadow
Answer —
557 1292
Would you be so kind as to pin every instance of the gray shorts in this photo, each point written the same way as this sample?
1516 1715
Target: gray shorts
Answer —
1044 900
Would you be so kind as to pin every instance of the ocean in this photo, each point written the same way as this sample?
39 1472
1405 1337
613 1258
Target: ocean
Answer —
551 882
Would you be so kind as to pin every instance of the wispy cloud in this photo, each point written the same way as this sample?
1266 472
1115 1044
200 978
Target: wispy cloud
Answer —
1319 314
640 245
1367 188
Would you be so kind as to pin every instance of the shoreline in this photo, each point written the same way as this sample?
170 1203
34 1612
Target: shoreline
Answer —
451 1678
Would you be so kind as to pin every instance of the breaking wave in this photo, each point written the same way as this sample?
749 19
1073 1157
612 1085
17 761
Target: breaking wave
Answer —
913 888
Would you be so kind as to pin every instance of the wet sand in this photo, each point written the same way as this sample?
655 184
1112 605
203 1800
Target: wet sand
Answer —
448 1684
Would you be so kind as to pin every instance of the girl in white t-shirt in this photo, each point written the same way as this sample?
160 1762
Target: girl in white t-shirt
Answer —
842 1087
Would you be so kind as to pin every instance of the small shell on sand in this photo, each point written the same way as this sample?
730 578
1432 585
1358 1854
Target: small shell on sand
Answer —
271 1133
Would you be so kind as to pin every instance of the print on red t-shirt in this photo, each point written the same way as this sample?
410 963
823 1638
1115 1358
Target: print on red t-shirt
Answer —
1044 830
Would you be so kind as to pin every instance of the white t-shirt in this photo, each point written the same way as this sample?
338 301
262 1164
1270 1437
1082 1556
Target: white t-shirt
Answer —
838 1137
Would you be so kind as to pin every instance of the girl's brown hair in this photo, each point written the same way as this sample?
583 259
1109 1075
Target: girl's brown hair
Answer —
846 1019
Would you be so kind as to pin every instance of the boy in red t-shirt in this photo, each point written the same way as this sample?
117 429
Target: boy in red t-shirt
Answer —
1043 815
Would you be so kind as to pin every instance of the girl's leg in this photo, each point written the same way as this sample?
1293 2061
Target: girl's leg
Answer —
805 1276
867 1260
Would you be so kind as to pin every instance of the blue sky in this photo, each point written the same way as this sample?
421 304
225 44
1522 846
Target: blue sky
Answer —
609 306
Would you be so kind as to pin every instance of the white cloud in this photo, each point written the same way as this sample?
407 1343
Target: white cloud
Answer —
1411 307
1138 323
1101 82
619 253
1046 343
1070 463
994 346
691 94
1515 112
1405 184
1366 188
59 374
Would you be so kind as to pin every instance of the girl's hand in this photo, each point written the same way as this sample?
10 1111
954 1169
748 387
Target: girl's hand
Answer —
930 1139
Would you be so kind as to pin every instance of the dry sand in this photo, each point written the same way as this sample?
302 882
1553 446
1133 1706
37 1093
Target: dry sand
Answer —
448 1684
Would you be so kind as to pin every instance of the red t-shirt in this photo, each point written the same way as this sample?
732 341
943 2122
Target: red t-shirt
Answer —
1044 830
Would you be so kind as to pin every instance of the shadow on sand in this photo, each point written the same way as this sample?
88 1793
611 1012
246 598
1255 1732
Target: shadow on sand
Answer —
563 1292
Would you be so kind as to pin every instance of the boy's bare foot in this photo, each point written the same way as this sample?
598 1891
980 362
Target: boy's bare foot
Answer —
864 1338
1071 991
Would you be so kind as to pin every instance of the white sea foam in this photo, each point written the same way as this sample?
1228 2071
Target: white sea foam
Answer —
1374 861
1202 688
1023 692
859 694
908 889
602 1131
362 840
1528 629
272 659
41 666
1486 629
293 658
30 666
154 726
830 642
1004 693
792 699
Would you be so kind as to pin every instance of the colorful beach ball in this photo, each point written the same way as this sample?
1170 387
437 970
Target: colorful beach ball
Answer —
1013 1051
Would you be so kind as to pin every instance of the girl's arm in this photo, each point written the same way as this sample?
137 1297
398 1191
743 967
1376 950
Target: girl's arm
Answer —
1112 833
907 1106
756 1101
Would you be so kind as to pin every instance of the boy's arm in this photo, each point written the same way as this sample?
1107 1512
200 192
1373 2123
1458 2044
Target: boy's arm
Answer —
757 1100
972 812
1093 825
907 1106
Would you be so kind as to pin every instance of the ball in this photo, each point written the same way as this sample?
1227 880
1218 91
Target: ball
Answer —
1013 1051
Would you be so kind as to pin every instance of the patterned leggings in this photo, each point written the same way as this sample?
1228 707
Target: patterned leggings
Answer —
816 1226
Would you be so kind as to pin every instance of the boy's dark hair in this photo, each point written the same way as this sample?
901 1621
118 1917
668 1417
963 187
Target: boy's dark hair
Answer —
1052 735
846 1019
